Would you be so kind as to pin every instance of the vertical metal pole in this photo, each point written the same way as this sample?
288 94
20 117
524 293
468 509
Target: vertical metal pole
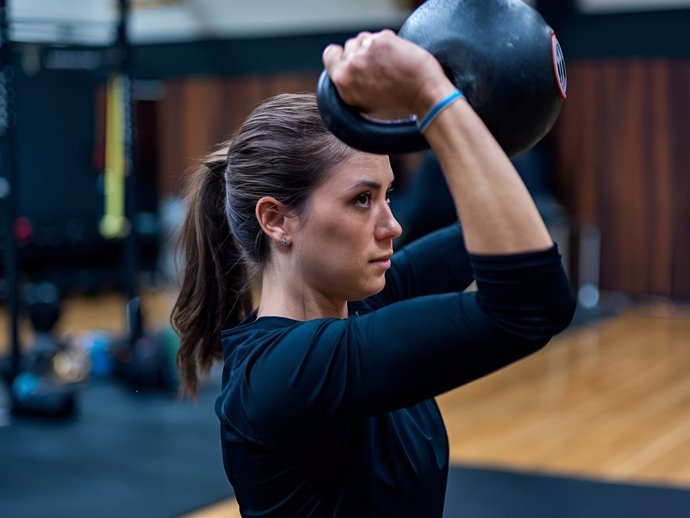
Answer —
8 168
124 50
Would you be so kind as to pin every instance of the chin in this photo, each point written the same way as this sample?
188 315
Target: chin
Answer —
373 288
366 287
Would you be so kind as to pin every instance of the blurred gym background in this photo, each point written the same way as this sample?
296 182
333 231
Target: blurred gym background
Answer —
104 107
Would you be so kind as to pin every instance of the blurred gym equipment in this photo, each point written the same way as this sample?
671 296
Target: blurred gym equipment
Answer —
43 379
143 358
51 369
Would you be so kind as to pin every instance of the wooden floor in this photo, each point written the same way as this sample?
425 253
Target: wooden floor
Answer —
102 312
607 400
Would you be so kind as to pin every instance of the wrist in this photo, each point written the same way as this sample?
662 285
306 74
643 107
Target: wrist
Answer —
434 112
432 92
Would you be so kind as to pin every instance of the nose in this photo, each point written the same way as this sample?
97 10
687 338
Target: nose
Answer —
387 227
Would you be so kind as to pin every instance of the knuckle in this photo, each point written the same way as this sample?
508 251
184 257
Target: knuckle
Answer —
384 41
337 75
341 78
358 64
347 81
387 35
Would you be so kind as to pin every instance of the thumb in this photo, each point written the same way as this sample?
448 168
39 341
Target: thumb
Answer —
332 54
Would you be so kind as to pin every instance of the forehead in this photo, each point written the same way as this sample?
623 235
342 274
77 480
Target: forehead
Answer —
360 167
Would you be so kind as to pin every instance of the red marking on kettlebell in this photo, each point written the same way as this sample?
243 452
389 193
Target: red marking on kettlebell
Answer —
559 66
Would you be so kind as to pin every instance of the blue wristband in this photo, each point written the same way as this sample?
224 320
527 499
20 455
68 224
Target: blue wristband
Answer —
440 106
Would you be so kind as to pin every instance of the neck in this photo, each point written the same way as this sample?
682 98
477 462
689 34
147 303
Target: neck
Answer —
284 294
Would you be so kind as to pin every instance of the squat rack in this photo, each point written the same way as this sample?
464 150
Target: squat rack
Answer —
121 65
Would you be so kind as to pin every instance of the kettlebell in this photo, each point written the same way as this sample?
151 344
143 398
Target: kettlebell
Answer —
502 56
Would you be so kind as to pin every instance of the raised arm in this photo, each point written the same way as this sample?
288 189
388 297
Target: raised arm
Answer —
327 371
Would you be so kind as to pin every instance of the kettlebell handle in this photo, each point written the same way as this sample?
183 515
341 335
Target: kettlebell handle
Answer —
350 126
501 54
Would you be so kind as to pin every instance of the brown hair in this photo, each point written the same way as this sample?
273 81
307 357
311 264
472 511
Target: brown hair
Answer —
282 150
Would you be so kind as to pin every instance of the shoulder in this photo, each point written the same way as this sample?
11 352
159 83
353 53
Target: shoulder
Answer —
273 372
274 347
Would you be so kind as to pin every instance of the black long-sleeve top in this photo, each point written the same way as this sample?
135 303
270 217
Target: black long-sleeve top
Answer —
336 417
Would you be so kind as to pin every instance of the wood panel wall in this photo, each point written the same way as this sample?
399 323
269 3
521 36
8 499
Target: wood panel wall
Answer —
623 162
196 113
622 148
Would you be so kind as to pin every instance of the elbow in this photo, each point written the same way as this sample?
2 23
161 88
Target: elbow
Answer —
555 313
539 325
563 313
529 297
535 320
554 320
557 298
556 316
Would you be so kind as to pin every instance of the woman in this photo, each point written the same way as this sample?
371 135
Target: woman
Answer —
327 405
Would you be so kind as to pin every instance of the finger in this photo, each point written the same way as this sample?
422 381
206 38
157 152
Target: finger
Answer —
363 37
351 46
384 35
354 44
332 54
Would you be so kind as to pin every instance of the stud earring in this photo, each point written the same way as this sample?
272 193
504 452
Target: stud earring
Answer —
284 242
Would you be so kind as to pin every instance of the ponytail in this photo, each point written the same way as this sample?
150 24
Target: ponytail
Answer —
282 150
215 290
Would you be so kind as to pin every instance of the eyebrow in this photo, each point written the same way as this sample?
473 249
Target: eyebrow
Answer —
368 183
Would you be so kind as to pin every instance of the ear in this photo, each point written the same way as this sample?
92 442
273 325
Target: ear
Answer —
273 217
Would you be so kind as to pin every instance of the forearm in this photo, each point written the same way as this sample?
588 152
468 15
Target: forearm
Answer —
496 209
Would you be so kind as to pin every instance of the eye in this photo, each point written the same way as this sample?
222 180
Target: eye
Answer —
363 200
388 195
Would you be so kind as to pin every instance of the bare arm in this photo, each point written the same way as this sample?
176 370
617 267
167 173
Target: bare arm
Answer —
382 72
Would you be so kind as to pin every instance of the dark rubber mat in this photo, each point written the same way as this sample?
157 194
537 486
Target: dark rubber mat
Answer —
125 454
489 493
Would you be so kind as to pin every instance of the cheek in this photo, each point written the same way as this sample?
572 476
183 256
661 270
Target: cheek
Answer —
340 230
338 246
342 242
345 261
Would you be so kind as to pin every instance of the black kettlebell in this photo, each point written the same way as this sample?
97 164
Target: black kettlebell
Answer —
500 53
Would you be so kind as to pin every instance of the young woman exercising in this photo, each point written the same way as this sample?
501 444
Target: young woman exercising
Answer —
334 347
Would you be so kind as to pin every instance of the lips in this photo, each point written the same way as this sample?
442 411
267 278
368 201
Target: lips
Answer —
383 262
384 257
